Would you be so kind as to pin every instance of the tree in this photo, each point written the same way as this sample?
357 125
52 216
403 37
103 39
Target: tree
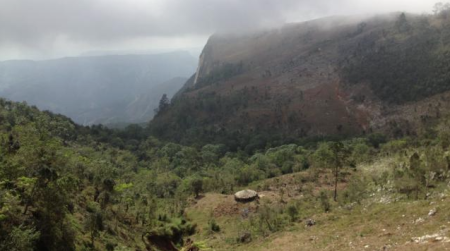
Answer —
94 223
163 104
197 186
360 28
340 156
211 153
193 184
441 8
334 155
20 239
402 23
437 8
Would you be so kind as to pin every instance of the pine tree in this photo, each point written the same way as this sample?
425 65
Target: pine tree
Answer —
163 104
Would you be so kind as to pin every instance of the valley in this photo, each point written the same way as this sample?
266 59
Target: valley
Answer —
327 134
109 90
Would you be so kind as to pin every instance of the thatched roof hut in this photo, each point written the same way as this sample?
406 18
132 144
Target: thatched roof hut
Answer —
245 195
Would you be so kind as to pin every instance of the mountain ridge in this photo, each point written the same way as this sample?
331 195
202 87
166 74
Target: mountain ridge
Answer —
311 79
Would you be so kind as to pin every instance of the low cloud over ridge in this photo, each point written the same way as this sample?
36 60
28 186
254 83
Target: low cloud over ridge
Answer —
58 27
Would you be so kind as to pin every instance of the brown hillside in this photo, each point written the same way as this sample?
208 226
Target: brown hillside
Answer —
305 80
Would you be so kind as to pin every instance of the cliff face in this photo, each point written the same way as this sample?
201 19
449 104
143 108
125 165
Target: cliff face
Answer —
323 77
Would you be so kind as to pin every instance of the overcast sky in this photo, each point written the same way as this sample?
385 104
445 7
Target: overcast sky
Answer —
39 29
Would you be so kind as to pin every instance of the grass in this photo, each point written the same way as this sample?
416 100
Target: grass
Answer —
374 224
377 226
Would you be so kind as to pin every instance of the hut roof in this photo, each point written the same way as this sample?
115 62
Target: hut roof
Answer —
245 195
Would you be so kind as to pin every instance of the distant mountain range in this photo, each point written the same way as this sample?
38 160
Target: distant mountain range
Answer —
109 89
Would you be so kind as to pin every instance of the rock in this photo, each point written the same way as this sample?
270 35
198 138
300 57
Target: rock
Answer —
246 195
432 212
430 238
190 246
418 221
245 237
386 247
310 222
245 212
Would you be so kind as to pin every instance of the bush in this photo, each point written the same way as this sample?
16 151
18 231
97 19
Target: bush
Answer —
292 211
268 220
356 191
213 226
324 201
21 239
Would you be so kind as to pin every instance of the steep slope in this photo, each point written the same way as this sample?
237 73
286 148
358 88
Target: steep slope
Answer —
61 189
93 90
333 76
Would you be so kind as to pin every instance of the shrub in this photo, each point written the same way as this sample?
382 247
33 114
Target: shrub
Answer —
21 239
292 211
213 226
324 201
355 191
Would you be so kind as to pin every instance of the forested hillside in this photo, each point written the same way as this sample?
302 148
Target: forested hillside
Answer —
93 188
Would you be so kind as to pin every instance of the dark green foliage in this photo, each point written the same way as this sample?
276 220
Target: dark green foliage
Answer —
94 224
173 230
324 201
163 105
195 185
20 239
292 211
51 169
213 226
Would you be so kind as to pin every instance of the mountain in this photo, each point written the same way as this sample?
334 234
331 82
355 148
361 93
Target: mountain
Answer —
100 89
341 76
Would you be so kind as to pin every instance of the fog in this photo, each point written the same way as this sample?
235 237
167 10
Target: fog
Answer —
55 28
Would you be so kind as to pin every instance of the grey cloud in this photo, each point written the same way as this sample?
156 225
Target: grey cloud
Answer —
24 20
38 23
